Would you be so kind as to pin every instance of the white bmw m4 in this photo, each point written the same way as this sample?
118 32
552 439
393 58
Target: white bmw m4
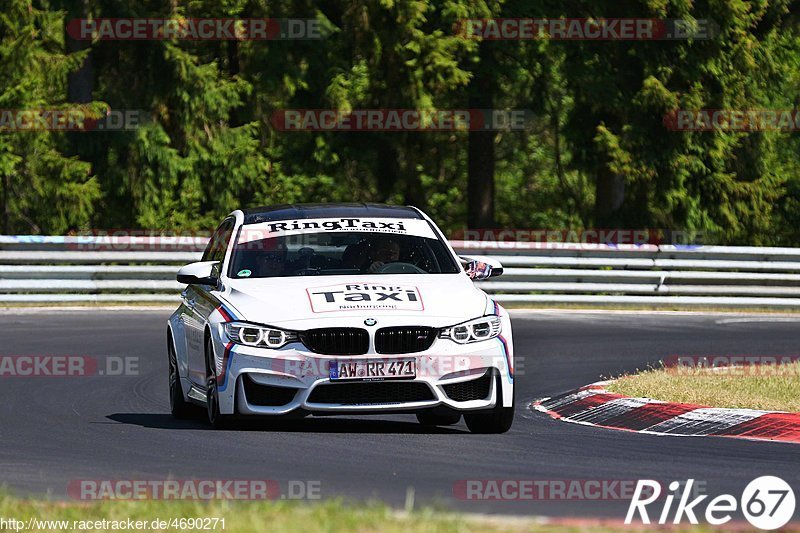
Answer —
324 309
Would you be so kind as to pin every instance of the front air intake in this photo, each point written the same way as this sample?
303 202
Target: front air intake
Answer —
474 389
372 392
267 395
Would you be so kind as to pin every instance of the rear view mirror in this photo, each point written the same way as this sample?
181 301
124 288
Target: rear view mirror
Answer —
480 268
201 273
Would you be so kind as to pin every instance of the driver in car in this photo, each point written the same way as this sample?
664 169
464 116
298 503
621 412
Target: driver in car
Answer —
271 262
381 252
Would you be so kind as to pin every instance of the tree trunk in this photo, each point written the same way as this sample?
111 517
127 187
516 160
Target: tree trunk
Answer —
413 193
233 57
6 213
80 84
480 184
388 163
480 149
609 195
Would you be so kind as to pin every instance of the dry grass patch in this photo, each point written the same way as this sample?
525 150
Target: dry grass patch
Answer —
769 388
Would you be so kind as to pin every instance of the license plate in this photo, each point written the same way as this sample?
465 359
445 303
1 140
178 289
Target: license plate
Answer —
373 369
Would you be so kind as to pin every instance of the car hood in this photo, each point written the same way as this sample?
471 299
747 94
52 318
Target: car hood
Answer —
436 299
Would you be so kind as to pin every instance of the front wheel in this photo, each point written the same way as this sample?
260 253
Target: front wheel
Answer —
178 406
498 420
215 418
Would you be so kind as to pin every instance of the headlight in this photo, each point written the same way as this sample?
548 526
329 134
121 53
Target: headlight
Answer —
480 329
258 336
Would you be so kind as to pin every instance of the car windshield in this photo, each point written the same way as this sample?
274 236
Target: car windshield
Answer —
339 253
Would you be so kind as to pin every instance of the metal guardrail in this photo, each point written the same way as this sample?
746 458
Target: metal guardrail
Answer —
142 269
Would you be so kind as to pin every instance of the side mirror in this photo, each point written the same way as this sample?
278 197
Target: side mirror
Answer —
201 273
482 267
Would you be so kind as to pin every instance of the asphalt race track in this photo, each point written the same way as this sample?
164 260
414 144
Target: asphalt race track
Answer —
57 429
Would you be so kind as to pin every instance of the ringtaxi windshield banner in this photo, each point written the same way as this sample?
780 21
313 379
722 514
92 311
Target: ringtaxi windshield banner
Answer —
285 228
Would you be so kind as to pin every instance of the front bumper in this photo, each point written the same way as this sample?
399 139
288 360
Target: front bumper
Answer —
256 381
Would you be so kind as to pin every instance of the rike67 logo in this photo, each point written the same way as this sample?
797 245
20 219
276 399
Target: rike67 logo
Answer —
365 296
767 502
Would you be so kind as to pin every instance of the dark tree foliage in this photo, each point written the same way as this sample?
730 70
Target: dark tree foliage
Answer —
595 152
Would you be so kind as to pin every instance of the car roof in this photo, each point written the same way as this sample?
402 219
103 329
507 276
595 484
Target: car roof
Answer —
328 210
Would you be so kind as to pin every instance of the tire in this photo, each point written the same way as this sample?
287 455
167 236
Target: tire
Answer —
178 406
498 420
427 418
215 418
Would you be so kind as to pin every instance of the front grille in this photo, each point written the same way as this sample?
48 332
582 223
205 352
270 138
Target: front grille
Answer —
474 389
371 392
267 395
336 341
404 339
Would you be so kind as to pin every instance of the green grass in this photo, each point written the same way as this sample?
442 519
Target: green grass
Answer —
329 516
745 387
